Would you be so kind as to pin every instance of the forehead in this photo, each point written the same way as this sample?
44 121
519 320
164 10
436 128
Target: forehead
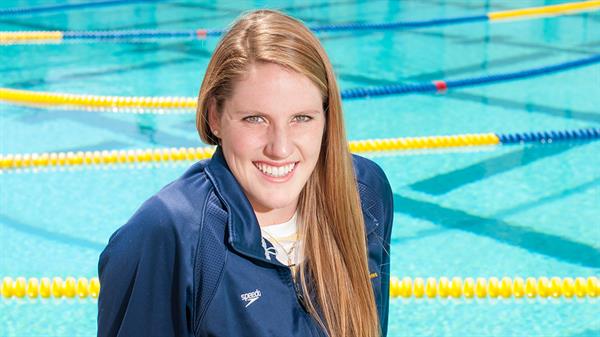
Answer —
271 88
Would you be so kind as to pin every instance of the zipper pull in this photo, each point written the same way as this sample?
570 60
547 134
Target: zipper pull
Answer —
300 297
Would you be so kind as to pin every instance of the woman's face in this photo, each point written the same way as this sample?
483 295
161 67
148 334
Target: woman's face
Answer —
271 131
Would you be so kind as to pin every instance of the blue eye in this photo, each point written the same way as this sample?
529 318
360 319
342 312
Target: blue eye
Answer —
254 119
302 118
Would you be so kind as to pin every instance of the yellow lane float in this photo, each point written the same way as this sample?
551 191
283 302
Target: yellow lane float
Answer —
30 36
50 288
38 98
559 9
493 287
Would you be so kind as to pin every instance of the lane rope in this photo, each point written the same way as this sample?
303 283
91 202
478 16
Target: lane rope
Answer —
11 162
45 287
442 86
96 102
569 7
69 6
493 287
57 36
139 104
407 287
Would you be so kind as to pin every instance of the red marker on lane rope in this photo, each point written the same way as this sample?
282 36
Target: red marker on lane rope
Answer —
441 86
201 33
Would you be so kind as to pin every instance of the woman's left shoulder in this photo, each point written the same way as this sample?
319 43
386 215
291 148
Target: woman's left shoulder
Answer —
370 174
374 189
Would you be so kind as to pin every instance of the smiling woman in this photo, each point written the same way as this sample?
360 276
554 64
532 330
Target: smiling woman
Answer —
282 232
271 130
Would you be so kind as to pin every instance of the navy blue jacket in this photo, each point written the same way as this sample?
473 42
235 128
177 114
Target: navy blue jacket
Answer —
191 262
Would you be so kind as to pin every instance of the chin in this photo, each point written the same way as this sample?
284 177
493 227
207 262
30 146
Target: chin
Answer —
275 202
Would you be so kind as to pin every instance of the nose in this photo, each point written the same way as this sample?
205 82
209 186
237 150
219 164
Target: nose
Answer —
279 144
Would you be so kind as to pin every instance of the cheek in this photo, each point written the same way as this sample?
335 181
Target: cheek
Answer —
310 140
313 147
241 141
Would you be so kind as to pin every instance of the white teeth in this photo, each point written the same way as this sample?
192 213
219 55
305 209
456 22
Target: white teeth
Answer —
274 171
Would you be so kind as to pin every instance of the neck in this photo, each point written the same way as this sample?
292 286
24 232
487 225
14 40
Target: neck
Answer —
275 216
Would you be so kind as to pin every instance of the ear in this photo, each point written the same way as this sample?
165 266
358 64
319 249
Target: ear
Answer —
213 116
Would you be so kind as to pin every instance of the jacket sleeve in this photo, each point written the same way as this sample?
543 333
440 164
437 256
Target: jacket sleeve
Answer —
143 284
379 199
388 210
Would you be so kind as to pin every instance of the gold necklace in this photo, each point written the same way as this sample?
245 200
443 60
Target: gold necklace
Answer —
288 253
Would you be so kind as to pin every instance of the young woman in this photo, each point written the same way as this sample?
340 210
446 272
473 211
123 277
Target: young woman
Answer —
282 232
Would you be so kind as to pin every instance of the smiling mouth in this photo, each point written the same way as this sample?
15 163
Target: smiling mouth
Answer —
275 171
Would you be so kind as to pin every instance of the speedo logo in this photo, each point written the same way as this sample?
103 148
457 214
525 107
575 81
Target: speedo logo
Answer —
251 297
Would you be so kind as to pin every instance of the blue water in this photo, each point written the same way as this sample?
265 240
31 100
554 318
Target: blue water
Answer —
521 210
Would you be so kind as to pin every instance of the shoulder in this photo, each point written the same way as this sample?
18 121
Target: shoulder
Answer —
369 174
149 223
374 189
179 203
167 219
183 198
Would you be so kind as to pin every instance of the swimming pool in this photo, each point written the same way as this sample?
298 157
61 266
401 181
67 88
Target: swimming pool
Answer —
518 210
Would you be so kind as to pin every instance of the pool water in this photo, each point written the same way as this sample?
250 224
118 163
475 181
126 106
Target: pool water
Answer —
518 210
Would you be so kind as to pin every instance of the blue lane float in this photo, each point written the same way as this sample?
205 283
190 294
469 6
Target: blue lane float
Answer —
441 86
549 136
141 34
399 25
62 7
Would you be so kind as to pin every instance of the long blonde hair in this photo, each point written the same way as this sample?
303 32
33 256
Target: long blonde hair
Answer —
335 273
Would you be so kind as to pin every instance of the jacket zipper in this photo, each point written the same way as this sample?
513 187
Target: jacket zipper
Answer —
299 295
312 325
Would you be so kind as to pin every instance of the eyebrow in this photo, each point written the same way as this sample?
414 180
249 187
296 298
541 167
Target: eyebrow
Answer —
258 112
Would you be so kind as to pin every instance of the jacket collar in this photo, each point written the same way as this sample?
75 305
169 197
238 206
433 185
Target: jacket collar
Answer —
244 231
